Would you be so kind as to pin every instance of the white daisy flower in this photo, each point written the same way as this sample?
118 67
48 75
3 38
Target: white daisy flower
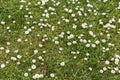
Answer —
3 22
26 74
19 40
93 45
8 43
56 42
40 57
87 45
104 68
113 71
97 42
13 58
27 32
7 51
41 75
101 71
107 62
18 63
33 61
52 75
62 64
33 66
90 68
19 56
69 43
2 65
116 69
35 51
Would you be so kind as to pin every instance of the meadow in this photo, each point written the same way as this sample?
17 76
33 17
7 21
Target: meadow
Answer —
59 39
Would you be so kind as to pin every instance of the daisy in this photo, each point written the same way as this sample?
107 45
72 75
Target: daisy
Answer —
87 45
41 75
90 68
62 64
107 62
7 51
40 57
113 71
13 58
101 71
104 68
27 32
2 65
26 74
19 56
3 22
33 66
35 51
19 40
33 61
52 75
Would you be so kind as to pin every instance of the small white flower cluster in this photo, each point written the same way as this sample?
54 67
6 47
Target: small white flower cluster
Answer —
61 35
44 1
109 26
45 38
13 58
28 30
60 49
84 25
92 34
7 51
113 69
86 57
55 40
118 31
8 28
45 25
71 36
75 52
118 6
68 10
74 26
112 20
100 22
89 5
38 76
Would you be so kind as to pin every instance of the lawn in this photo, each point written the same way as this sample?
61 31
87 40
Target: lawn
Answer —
59 39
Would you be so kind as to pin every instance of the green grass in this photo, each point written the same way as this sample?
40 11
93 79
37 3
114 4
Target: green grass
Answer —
74 69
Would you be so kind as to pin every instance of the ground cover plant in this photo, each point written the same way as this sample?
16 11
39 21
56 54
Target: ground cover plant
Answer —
59 39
